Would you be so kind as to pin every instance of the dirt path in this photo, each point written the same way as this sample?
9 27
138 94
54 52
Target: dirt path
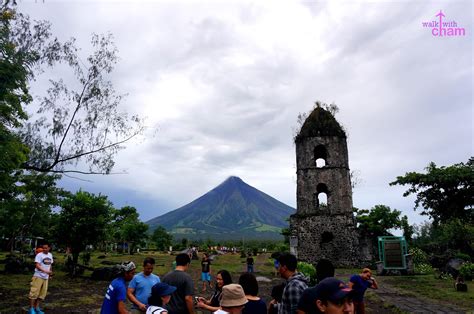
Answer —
411 304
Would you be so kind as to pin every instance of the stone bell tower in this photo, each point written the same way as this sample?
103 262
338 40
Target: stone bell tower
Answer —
323 225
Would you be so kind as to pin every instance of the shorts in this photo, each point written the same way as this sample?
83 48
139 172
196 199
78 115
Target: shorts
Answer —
39 287
205 277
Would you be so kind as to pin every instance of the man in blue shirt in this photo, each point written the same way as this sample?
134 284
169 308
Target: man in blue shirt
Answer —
139 289
360 283
114 301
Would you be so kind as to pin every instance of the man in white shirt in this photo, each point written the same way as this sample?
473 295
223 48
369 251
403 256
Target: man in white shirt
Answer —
39 282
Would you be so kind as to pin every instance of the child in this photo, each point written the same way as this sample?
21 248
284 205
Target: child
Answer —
160 296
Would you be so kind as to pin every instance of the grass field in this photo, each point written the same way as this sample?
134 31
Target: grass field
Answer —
431 287
84 295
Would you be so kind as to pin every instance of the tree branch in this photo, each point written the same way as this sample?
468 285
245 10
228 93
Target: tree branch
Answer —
99 149
79 101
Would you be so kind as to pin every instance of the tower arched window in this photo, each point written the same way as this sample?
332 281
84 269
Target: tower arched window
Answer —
320 156
321 196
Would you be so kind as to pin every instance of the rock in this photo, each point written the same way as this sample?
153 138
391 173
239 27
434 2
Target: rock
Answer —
105 273
16 265
453 265
263 279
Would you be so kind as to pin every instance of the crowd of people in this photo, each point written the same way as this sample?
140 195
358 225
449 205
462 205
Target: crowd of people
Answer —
174 293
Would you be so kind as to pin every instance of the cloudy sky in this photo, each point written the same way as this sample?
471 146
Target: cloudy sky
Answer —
222 83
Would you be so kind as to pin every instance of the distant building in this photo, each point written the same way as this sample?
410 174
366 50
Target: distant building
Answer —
324 225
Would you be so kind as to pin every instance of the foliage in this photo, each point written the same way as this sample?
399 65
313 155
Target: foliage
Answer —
464 257
467 271
321 121
454 236
309 271
378 220
27 209
127 227
70 124
83 221
162 238
282 247
419 256
83 123
423 268
86 257
286 233
445 193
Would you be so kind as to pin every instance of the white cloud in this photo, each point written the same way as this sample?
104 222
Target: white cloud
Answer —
224 83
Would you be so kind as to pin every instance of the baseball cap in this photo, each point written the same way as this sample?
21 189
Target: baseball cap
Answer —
162 289
331 289
233 295
127 266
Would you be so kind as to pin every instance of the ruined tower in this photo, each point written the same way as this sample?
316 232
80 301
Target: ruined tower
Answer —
323 225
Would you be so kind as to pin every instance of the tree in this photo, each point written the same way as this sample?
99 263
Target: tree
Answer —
128 228
379 220
83 221
445 239
71 125
162 238
443 192
84 124
27 209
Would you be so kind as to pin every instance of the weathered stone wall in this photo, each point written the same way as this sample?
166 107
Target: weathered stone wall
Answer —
329 237
336 148
335 175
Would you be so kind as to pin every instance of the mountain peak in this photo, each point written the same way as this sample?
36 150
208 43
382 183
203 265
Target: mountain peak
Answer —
230 182
230 210
233 179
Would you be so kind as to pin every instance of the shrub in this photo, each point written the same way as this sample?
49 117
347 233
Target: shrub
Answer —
86 257
423 268
464 257
309 271
419 256
467 271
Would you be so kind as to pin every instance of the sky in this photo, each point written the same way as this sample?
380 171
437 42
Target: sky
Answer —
221 84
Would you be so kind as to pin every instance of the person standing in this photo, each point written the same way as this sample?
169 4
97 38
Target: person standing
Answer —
276 264
360 283
250 262
116 295
39 282
139 289
206 272
296 283
182 299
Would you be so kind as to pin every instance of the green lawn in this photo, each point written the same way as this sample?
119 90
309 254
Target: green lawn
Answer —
430 287
66 293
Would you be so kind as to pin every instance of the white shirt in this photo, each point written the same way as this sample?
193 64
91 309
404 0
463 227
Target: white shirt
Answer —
45 261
